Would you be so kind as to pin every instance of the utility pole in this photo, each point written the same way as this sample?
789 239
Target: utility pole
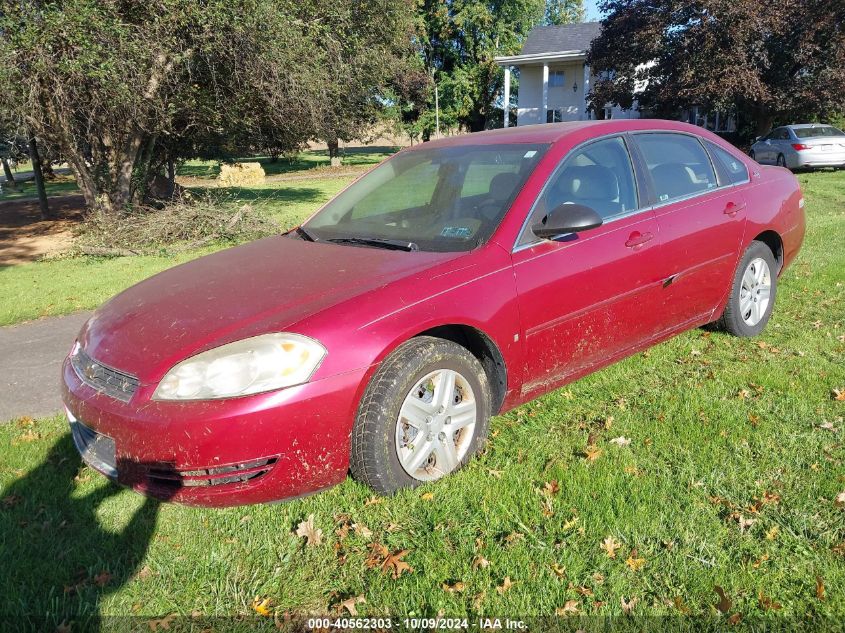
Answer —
39 177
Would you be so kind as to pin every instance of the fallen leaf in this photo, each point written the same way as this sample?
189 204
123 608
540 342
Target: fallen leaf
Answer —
495 473
458 587
724 604
839 394
381 557
506 584
621 441
570 607
262 606
766 603
628 607
102 579
513 537
161 624
828 426
374 501
427 496
678 602
144 573
772 533
839 502
559 570
551 488
307 530
350 604
770 498
362 530
480 562
756 564
635 563
743 394
477 600
592 453
735 619
583 591
744 523
570 524
610 545
820 588
598 578
64 627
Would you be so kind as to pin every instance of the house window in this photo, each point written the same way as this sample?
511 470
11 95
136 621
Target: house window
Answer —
556 78
554 116
608 112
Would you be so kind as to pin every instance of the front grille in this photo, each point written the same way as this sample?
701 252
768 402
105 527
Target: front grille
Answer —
214 476
97 450
110 381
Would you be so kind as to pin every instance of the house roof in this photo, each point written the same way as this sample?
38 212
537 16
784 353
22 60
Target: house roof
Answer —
567 37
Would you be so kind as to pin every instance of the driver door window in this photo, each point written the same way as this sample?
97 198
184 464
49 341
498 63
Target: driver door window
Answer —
598 175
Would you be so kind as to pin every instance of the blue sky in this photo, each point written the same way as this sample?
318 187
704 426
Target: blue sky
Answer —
592 10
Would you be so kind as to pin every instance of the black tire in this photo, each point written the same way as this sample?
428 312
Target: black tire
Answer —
374 460
781 161
752 155
731 319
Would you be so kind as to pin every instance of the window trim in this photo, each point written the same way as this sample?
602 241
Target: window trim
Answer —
635 171
708 145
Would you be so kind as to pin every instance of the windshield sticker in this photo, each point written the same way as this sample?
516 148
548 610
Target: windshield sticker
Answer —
456 231
530 153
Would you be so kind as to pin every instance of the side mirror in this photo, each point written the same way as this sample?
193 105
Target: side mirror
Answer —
567 218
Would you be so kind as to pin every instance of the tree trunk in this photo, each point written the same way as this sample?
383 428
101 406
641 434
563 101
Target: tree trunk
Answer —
10 177
763 123
39 178
47 170
334 152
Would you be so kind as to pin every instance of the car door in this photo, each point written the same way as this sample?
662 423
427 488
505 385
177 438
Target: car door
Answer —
701 219
585 298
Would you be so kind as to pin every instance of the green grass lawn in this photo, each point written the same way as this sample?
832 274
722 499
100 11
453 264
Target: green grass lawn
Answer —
730 479
61 186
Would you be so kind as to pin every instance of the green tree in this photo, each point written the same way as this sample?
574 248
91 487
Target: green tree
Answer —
458 40
771 62
565 11
360 50
121 87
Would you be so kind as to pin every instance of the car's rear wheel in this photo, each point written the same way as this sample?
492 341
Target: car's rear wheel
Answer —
753 292
424 415
752 155
781 161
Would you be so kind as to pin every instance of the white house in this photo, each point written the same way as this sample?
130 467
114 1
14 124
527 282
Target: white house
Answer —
554 80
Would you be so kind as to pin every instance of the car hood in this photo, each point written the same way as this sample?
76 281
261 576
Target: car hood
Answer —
264 286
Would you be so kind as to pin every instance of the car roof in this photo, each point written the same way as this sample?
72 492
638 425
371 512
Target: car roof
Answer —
799 126
553 132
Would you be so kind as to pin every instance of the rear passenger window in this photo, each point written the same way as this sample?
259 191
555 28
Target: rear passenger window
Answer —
731 169
678 165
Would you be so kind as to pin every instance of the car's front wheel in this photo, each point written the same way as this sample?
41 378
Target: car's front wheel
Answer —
753 292
424 415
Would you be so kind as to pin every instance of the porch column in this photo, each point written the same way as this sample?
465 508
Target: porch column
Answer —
545 93
586 90
507 96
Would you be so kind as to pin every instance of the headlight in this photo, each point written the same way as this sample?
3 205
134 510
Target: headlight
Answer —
253 365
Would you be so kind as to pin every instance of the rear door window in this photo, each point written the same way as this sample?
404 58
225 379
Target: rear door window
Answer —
731 169
677 164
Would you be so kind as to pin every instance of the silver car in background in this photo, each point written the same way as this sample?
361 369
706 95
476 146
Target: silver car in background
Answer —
801 146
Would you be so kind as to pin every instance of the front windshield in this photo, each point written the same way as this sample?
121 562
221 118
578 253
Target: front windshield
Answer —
435 199
816 131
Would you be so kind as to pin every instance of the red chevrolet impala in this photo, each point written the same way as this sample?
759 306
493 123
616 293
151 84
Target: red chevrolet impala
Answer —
456 280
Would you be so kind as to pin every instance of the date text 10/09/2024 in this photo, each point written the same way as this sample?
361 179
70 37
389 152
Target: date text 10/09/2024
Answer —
415 624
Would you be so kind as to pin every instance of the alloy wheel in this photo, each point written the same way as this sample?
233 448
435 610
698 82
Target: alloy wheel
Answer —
436 425
755 291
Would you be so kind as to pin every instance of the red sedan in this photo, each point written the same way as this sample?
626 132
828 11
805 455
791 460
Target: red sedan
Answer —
458 279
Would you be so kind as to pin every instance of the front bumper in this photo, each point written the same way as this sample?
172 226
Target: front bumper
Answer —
253 449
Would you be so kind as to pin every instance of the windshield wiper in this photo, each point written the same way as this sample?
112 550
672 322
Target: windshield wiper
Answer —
305 235
377 242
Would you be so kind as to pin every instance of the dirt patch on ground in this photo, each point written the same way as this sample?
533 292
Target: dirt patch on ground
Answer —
25 237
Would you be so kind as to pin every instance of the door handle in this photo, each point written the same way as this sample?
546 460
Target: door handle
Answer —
637 239
732 208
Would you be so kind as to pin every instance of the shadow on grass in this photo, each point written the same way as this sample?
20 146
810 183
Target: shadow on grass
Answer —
57 558
305 161
248 194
